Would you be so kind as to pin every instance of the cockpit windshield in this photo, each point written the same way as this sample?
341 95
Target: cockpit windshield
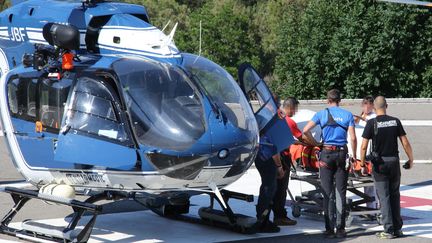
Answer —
222 89
166 109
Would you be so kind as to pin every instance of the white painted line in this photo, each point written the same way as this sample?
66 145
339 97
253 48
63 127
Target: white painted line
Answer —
34 29
421 161
35 36
417 123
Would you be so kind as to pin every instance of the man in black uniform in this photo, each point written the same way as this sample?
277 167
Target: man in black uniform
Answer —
384 131
269 166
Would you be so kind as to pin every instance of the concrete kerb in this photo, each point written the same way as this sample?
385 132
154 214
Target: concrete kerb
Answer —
389 100
356 101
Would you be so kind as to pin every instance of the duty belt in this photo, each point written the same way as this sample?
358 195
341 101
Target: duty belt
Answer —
335 148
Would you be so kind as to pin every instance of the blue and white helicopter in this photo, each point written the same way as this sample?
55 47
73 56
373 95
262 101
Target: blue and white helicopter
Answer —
96 101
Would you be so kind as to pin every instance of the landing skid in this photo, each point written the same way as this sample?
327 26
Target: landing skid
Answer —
224 218
38 232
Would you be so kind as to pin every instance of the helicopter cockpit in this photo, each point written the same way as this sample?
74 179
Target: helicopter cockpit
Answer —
166 108
167 105
189 108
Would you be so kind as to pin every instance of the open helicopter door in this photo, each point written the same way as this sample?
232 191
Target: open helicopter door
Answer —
94 132
265 108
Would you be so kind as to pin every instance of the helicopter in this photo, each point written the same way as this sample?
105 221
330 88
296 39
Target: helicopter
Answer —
96 101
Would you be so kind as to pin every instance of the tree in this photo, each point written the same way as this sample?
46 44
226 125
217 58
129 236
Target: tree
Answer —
359 47
4 4
227 34
304 40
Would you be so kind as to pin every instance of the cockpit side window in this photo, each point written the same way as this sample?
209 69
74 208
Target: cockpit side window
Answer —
52 100
94 111
22 97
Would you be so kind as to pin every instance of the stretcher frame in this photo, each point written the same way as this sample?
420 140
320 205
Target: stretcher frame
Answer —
311 202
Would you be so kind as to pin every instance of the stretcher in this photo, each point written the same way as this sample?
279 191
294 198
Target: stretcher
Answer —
305 168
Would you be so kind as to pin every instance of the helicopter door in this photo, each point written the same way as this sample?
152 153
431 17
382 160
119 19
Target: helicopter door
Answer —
264 107
93 134
258 95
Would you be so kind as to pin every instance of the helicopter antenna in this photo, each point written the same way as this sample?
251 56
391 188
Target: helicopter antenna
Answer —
200 42
421 3
169 21
171 35
200 36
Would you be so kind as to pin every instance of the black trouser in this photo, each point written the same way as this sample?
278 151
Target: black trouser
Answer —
279 199
333 171
387 183
268 172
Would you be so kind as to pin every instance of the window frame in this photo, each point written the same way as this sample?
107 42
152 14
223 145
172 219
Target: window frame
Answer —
24 116
46 127
109 82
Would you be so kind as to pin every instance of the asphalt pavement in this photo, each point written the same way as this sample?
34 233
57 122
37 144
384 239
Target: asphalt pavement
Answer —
419 176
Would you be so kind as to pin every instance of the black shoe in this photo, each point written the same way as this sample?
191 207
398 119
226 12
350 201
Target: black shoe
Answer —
269 227
341 233
398 233
284 221
329 234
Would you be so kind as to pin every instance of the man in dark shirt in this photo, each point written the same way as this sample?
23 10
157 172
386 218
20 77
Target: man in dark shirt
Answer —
269 166
384 131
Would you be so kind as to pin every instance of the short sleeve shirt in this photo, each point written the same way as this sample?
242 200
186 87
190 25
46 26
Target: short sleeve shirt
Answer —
295 131
293 127
334 135
367 118
389 129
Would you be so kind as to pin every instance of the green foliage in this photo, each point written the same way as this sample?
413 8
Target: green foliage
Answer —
227 34
359 47
305 47
4 4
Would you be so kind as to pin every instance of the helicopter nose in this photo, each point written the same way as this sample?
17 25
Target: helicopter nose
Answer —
232 147
178 167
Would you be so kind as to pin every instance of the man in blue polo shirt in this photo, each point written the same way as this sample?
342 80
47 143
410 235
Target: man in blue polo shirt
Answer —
335 123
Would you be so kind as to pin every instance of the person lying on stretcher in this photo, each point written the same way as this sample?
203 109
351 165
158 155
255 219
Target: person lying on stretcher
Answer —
307 158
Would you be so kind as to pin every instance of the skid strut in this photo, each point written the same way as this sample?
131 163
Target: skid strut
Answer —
226 218
36 231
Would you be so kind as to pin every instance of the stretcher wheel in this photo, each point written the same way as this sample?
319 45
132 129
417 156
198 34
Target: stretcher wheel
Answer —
296 211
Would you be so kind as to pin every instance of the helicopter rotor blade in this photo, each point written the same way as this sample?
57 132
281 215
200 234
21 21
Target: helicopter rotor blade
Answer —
419 3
